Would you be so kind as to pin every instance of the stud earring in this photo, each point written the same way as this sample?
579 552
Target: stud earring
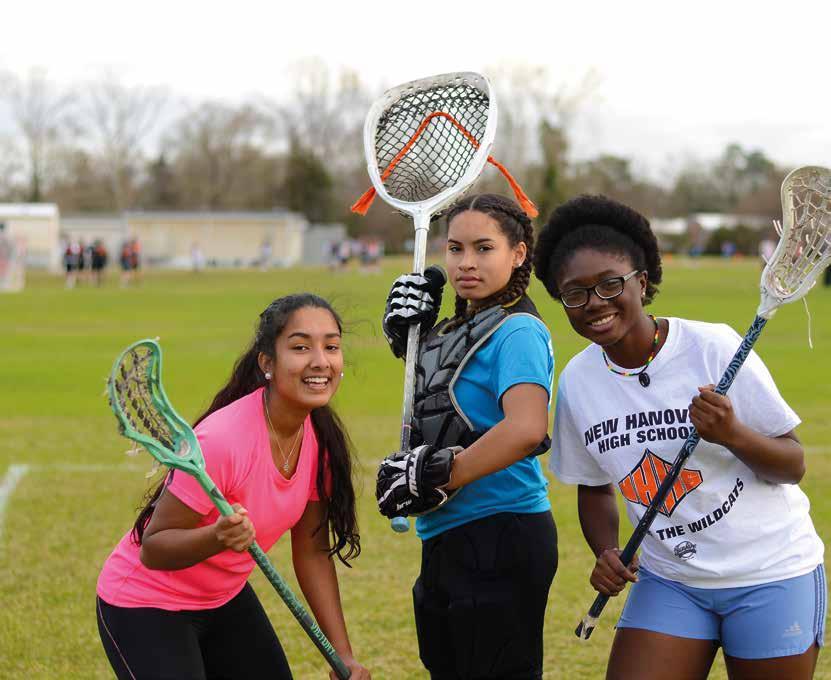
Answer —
341 375
268 375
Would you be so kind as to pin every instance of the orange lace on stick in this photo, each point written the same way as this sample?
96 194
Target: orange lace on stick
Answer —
364 202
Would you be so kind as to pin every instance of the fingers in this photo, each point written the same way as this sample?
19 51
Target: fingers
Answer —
436 278
235 532
357 671
415 297
432 280
710 404
706 406
610 575
712 414
707 395
703 414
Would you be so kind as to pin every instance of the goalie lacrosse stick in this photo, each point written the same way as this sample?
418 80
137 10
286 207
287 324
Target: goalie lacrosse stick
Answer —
145 415
425 143
803 253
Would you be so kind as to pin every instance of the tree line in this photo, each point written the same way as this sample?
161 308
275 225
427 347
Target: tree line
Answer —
105 146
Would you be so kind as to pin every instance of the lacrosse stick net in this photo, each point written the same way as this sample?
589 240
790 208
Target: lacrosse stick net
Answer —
146 416
802 254
426 141
804 248
137 399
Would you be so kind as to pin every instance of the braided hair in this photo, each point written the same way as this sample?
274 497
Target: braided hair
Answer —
601 224
517 227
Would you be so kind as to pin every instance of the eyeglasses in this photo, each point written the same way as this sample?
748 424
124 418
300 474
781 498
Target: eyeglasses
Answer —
605 290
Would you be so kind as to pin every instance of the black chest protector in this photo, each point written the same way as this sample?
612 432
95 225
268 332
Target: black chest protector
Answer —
437 417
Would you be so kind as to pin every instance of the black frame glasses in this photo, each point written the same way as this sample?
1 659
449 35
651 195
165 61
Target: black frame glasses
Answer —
588 289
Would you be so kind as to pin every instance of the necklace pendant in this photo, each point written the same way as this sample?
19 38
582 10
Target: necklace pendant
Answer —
643 379
286 466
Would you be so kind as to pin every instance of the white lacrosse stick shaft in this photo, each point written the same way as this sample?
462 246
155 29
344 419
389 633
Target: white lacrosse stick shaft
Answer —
427 204
422 225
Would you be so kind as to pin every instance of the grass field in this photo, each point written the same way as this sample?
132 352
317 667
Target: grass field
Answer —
80 491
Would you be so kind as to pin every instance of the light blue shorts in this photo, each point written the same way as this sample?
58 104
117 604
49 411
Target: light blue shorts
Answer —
783 618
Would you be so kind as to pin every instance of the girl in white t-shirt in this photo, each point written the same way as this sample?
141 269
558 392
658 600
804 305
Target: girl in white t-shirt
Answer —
732 558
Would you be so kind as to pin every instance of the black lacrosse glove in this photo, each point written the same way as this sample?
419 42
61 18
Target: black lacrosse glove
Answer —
409 481
414 298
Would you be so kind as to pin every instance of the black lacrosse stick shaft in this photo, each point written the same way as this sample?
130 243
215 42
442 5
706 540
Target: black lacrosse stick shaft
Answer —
586 626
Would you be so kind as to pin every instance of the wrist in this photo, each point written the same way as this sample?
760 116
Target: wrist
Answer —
733 438
455 479
344 651
604 548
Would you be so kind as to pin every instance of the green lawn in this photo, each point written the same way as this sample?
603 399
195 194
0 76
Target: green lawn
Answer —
81 491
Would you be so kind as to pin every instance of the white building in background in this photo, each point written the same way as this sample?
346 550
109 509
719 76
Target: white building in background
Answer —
225 239
169 239
37 225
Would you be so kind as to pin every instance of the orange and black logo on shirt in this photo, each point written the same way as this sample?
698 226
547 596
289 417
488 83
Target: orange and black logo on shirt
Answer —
640 486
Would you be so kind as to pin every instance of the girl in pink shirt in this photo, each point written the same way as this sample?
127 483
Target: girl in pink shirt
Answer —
173 598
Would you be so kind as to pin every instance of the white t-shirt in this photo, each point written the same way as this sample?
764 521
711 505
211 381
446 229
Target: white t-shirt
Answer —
722 526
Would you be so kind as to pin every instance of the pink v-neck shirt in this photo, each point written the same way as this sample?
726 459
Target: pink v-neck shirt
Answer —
237 453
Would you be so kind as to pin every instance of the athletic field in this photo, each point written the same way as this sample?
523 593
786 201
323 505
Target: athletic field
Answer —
68 491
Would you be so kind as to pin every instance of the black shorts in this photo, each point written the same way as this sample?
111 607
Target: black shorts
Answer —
481 596
235 640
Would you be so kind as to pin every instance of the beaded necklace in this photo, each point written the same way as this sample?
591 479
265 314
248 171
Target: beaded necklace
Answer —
643 376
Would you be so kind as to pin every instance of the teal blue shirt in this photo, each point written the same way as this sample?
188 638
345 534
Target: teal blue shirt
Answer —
518 352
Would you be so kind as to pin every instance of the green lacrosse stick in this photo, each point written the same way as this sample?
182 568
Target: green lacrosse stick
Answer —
145 415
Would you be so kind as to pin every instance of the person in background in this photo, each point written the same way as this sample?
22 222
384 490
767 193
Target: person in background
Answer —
98 261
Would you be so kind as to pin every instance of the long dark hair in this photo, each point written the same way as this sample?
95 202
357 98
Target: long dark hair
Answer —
517 227
246 376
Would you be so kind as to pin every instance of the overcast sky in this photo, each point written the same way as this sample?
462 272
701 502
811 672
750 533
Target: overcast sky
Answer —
672 82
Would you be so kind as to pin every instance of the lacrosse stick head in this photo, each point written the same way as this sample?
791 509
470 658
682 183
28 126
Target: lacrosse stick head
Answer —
427 141
804 248
143 411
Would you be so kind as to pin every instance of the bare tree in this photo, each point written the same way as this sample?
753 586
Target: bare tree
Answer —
318 128
11 170
521 94
78 182
213 149
42 112
536 115
119 119
323 113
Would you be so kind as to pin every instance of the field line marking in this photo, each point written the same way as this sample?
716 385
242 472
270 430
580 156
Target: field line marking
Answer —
13 476
18 471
